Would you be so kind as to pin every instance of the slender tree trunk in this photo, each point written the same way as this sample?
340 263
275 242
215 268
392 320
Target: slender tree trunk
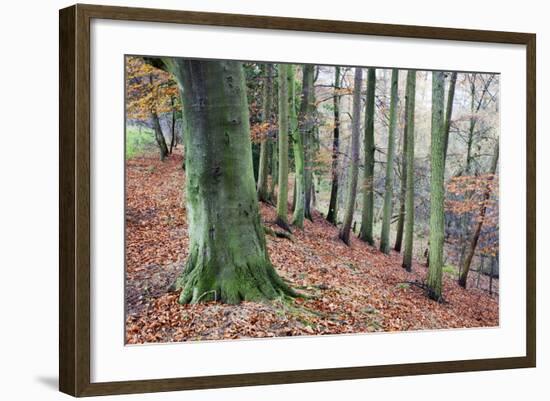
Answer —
449 110
470 252
282 198
159 136
367 215
297 136
311 139
228 258
437 189
403 184
173 126
388 195
332 215
354 166
409 198
267 100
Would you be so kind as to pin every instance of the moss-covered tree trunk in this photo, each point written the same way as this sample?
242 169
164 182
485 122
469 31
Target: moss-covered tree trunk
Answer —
227 260
437 188
267 101
403 184
409 162
282 198
298 149
388 194
332 215
367 215
354 163
463 279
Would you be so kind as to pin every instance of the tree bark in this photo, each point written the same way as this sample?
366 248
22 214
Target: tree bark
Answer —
159 136
437 189
403 183
354 166
228 259
311 139
409 160
332 215
367 214
449 110
282 198
388 195
298 148
267 100
173 126
463 279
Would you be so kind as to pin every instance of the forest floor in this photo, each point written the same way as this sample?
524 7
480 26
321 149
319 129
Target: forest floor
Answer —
353 289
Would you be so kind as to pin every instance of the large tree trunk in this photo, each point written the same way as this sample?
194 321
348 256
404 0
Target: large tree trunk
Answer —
227 260
298 149
409 161
463 279
332 215
267 100
388 194
367 214
354 166
282 198
437 188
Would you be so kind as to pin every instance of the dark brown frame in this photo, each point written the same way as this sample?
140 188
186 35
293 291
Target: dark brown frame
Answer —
74 199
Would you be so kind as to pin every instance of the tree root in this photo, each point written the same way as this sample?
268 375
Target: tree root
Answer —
278 234
426 290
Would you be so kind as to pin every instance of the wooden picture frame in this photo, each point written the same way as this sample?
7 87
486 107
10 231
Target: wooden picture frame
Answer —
74 199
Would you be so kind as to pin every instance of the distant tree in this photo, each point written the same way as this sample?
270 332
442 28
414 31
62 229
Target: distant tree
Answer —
150 93
388 194
409 170
483 206
367 215
437 188
332 215
449 110
354 164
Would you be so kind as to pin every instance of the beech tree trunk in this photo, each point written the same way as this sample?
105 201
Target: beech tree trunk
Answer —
437 189
282 198
228 259
267 100
354 165
311 137
388 195
463 279
298 149
367 215
403 183
409 161
332 215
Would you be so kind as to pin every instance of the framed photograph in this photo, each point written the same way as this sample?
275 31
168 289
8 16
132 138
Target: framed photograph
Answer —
250 200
